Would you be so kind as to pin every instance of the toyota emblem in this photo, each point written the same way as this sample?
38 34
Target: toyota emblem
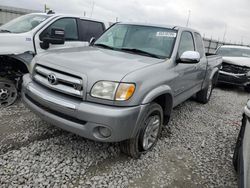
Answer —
52 79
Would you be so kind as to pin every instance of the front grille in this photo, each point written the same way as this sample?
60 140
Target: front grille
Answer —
234 69
61 82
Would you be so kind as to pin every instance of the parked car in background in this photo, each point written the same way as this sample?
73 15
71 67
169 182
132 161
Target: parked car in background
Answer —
24 37
241 159
235 68
124 86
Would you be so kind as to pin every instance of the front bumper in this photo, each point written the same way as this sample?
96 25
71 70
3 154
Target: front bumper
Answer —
80 117
235 79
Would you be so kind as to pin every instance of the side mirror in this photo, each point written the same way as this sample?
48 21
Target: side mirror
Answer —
56 37
190 57
92 41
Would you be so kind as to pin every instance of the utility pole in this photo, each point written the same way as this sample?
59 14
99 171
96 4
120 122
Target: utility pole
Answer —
189 14
225 32
46 8
92 10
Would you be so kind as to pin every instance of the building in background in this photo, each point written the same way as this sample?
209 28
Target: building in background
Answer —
9 13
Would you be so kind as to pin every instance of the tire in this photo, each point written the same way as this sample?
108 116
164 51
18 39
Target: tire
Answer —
8 92
236 160
238 146
204 95
247 88
147 136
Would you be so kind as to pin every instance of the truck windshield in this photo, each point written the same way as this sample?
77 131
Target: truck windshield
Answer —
143 40
23 24
234 52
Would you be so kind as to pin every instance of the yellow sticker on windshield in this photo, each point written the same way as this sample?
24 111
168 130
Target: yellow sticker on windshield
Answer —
166 34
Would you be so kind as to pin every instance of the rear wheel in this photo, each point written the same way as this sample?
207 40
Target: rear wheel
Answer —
204 95
148 135
8 92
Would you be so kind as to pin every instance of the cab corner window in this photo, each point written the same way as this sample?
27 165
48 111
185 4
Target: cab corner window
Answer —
199 44
67 24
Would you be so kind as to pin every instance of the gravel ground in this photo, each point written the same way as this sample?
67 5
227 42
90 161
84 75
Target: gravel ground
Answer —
195 150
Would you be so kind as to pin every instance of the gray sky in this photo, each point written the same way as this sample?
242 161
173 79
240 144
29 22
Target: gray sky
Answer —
210 17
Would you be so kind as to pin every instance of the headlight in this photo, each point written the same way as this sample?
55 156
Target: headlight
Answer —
104 90
113 90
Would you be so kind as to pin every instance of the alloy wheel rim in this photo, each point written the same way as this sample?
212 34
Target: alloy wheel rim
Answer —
151 132
4 94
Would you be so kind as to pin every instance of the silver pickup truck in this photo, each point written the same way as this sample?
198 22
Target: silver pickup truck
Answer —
123 87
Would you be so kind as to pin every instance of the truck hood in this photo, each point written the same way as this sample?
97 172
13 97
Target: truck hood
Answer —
12 43
95 63
241 61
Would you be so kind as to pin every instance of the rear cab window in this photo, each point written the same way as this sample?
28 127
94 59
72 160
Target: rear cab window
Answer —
89 29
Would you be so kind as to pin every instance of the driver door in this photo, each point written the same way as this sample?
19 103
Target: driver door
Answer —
186 72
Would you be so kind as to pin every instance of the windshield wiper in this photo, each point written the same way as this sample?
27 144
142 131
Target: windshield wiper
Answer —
5 31
138 51
104 46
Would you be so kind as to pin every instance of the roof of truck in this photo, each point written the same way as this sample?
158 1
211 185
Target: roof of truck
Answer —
69 15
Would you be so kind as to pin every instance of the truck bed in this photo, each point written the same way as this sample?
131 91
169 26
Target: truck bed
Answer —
214 60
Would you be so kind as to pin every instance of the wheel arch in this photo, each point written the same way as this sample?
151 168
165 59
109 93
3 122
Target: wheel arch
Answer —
16 62
214 75
162 95
211 75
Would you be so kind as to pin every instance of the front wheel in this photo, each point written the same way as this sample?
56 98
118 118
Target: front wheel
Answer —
204 95
8 92
148 133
